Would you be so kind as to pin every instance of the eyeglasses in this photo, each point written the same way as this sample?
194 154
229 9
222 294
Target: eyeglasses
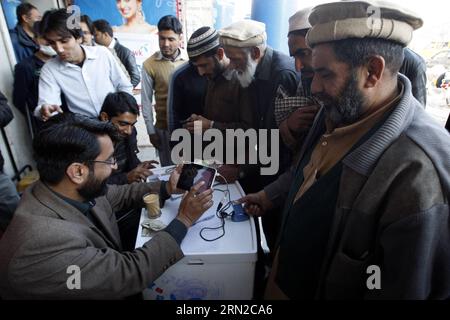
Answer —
112 161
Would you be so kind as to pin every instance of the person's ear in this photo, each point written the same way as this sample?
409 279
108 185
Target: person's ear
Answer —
376 67
77 173
255 53
104 116
220 54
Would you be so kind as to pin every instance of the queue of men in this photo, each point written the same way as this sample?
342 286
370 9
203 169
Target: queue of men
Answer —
363 179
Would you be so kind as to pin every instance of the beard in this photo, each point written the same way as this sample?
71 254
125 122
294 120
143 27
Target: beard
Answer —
246 77
218 69
93 188
347 107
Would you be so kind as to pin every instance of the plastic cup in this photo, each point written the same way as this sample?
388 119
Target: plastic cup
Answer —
152 204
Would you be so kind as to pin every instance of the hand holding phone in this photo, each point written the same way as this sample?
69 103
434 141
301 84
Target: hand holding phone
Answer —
192 174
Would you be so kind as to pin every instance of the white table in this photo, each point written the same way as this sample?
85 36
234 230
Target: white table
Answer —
222 269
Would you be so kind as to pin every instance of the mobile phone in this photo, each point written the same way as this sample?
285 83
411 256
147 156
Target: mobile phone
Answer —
193 173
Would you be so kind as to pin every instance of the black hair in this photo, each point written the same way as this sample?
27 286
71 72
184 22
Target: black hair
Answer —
119 102
170 22
67 138
85 18
357 52
211 52
103 26
301 32
57 21
23 9
37 29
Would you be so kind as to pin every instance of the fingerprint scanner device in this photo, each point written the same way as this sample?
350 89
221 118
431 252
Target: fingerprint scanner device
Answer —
238 214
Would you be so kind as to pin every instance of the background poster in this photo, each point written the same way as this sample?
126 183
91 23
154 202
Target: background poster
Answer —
134 21
9 10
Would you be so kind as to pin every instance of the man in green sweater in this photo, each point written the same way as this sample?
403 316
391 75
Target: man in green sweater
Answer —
156 74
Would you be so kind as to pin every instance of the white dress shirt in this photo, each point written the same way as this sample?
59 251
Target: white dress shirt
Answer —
84 88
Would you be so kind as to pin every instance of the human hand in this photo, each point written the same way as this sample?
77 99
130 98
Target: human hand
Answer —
149 164
302 119
206 124
47 111
138 174
194 205
256 204
173 181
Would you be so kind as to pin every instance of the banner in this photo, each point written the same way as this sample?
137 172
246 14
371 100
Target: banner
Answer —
9 10
134 21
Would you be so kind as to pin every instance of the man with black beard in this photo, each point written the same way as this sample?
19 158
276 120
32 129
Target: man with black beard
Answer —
226 104
65 222
367 213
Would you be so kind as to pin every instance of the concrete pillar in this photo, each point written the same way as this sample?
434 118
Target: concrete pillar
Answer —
275 14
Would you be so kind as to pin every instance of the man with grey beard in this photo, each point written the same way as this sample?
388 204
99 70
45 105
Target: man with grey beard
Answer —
263 70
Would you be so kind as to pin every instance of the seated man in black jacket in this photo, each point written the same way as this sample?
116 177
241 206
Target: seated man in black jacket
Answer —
122 110
104 36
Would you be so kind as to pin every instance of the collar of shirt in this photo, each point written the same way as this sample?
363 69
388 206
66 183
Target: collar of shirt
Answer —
89 52
83 207
112 44
263 69
180 56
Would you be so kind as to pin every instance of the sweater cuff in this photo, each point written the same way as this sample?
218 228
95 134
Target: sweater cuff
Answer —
177 230
163 194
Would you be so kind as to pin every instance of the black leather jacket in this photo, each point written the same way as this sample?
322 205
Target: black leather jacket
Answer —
126 56
415 68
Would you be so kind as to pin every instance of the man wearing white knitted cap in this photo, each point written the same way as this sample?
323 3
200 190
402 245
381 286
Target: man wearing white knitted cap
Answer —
295 114
264 71
367 216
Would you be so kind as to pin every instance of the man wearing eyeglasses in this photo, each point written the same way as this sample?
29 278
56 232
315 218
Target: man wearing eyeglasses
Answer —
66 221
121 110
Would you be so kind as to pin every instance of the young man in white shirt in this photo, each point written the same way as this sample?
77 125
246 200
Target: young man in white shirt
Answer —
85 75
